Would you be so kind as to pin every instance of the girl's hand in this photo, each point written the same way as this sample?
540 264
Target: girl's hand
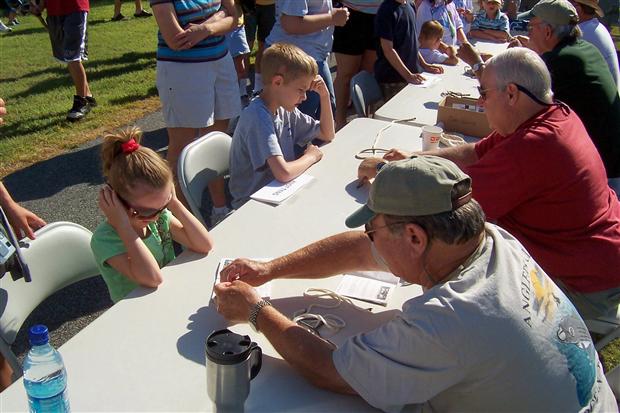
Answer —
318 85
113 208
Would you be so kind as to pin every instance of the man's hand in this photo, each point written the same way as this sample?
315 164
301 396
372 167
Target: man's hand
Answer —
235 300
396 155
519 41
469 54
112 208
368 169
340 16
314 152
36 8
318 85
23 221
252 272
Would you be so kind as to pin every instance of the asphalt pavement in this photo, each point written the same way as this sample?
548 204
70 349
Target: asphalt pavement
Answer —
65 188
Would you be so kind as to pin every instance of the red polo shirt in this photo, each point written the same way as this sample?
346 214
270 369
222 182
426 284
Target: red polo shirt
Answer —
546 184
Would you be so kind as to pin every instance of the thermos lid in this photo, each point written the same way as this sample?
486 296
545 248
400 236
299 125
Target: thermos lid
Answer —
226 347
38 335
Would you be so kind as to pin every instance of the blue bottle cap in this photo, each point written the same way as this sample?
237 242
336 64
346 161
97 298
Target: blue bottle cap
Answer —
38 335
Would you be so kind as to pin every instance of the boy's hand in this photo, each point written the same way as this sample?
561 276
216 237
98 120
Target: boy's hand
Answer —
435 69
451 51
314 152
340 16
113 208
416 79
318 85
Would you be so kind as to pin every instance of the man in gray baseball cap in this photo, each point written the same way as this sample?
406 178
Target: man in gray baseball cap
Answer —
489 331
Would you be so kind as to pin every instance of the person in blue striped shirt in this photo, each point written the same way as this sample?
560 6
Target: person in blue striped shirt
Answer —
196 76
491 23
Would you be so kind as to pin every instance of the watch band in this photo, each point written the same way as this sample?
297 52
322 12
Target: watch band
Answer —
477 66
254 312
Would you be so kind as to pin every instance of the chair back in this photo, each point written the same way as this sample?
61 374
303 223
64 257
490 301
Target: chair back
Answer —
201 162
58 257
365 92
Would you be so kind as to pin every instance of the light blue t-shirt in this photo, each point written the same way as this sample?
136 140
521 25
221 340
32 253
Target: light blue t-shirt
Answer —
482 22
433 56
260 135
317 44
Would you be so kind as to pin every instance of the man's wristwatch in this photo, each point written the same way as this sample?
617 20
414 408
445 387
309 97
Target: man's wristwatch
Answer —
254 312
477 66
380 165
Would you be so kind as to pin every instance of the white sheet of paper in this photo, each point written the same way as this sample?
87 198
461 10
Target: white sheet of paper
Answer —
263 290
382 276
429 81
276 192
366 289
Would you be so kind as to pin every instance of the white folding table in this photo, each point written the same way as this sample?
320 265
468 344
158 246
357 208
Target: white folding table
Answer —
146 353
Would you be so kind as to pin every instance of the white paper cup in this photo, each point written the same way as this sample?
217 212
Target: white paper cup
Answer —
430 137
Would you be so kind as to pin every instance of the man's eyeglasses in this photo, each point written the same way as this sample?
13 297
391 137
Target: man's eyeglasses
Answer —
483 92
143 213
368 230
530 26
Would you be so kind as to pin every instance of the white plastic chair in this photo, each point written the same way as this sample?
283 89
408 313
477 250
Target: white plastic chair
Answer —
365 93
58 257
201 162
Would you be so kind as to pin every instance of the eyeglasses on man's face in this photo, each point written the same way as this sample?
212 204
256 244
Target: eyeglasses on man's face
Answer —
369 230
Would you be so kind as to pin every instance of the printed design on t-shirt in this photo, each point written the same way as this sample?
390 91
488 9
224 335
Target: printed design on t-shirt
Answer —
549 311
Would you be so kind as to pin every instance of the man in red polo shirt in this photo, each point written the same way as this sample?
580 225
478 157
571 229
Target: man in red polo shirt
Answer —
66 21
539 176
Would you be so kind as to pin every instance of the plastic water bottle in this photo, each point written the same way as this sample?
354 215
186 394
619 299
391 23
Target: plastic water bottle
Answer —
45 377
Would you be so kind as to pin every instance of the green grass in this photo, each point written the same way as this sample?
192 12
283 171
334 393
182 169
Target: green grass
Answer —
39 92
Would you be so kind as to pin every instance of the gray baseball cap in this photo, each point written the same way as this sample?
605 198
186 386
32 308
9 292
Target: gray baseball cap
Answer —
556 12
421 185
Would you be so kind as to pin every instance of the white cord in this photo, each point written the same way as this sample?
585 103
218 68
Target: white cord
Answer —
361 154
331 321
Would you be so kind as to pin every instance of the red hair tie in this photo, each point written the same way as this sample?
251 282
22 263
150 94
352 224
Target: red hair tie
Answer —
130 146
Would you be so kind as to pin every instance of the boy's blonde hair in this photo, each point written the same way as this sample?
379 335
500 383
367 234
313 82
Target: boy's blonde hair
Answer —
123 168
431 29
286 60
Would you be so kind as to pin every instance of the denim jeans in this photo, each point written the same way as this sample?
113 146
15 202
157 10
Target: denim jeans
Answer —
311 106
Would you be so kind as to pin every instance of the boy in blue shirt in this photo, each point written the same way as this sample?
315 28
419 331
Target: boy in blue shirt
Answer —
491 23
269 129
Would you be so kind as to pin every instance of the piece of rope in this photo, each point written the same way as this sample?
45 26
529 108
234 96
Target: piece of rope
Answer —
368 152
330 321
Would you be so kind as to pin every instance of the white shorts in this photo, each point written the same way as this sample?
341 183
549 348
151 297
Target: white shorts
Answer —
195 95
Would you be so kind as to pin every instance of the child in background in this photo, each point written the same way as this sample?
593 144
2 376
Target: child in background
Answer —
398 59
272 127
309 25
491 23
431 47
465 8
143 216
239 49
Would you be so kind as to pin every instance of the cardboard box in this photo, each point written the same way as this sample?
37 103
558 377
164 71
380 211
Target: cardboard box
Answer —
455 116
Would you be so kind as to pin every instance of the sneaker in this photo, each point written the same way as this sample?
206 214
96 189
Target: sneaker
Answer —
219 216
4 28
143 13
91 101
80 108
117 18
14 22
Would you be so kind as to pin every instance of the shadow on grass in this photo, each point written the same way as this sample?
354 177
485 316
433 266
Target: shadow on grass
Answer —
26 32
135 97
127 63
57 70
81 166
22 128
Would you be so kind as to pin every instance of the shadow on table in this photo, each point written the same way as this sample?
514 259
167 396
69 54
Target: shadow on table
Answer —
431 105
360 194
207 320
